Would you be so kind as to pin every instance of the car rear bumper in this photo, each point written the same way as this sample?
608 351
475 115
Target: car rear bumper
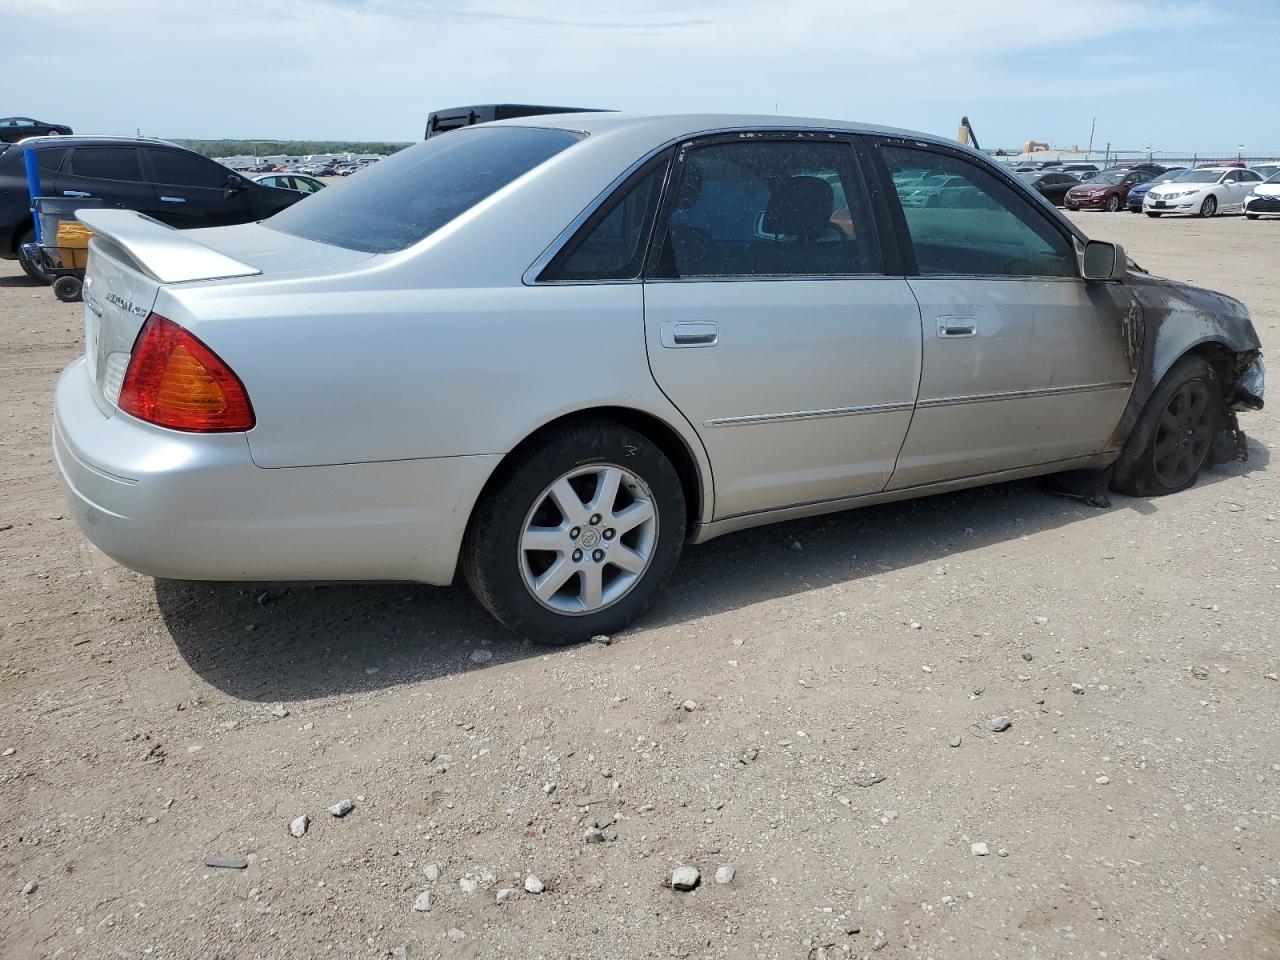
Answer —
196 506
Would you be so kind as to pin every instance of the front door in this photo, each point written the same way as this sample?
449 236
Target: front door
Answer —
191 191
1024 362
771 325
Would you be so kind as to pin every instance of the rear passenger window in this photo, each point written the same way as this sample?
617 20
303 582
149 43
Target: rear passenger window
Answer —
186 170
49 160
106 163
964 221
758 208
611 245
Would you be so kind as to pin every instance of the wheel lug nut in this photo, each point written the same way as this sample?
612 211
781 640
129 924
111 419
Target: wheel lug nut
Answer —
573 534
597 556
609 533
595 519
577 556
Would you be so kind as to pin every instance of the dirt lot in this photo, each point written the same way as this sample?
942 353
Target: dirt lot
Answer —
1137 818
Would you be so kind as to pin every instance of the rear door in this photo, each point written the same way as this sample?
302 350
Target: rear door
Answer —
1242 185
112 173
772 325
1025 363
192 191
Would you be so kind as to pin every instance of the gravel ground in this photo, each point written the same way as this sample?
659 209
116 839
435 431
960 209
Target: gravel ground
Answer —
810 704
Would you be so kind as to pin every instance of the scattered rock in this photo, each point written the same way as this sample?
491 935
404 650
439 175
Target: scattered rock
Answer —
505 894
280 711
1042 620
916 625
690 705
342 808
1002 852
979 849
31 887
749 755
685 878
298 826
1200 672
725 873
8 752
1078 689
602 638
227 863
954 741
1102 780
796 545
999 724
533 885
594 835
423 902
548 788
456 935
481 655
432 872
868 780
469 885
888 816
880 942
1028 656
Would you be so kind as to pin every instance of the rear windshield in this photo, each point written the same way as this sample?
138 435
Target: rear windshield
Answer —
409 196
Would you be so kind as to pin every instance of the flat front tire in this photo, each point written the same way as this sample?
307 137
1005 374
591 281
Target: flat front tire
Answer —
578 534
1173 437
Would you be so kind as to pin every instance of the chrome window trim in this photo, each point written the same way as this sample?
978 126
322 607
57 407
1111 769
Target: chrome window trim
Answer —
858 411
1025 394
530 277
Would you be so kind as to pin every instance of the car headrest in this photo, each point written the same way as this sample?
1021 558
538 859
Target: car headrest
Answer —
798 206
690 187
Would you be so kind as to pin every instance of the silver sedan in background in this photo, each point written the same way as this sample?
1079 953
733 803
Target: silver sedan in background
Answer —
553 350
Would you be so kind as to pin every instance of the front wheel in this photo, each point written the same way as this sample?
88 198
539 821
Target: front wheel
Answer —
1173 436
1251 216
1113 203
1152 215
31 268
578 535
1209 207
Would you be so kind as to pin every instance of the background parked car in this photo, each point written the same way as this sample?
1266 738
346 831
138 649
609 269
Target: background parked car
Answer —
170 183
1051 185
1202 192
1139 190
1081 170
1265 198
291 181
1266 170
13 129
1105 191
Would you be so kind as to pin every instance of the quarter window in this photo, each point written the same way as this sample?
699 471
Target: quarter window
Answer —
768 208
611 246
107 163
964 221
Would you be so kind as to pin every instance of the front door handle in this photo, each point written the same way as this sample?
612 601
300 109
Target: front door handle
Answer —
957 327
173 199
689 334
75 193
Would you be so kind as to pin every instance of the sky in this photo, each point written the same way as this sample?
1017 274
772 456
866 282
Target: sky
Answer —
1172 75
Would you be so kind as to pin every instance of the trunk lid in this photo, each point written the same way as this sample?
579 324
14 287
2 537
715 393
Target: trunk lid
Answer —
132 256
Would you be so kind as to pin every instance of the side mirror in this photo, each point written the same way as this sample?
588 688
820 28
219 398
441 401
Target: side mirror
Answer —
234 185
1104 261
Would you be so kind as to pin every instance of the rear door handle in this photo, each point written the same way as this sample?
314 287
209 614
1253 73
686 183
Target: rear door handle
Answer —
173 199
75 193
689 334
957 327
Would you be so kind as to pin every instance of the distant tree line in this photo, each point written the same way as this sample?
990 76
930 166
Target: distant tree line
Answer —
264 148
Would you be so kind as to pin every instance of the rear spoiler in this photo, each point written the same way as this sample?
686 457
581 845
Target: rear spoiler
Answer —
163 253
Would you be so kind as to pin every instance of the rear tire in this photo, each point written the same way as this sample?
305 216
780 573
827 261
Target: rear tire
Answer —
545 549
1113 203
32 270
1209 207
1173 437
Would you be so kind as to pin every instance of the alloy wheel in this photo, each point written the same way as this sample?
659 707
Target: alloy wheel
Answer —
1183 435
1209 207
588 539
1113 203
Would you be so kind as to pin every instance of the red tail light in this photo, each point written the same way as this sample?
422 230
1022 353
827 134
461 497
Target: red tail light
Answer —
175 381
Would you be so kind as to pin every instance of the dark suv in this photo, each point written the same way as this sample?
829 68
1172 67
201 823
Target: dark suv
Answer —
165 181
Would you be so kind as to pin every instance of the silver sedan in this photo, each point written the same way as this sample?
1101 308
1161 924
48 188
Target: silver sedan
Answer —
553 350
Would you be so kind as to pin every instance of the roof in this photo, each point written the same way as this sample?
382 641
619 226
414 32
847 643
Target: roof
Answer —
675 126
76 139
